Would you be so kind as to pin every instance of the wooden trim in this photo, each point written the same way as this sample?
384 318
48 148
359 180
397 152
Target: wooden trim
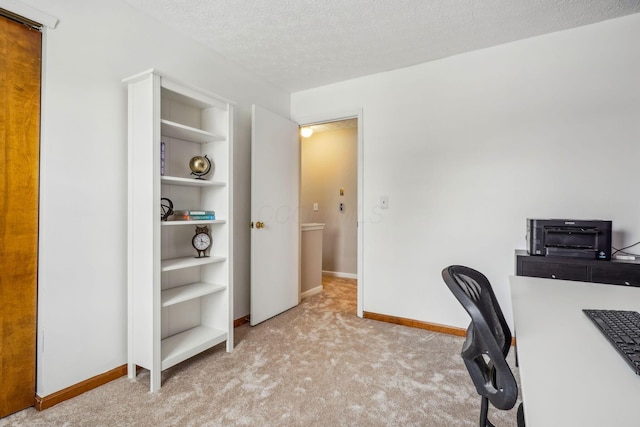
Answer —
94 382
415 324
241 321
46 402
77 389
435 327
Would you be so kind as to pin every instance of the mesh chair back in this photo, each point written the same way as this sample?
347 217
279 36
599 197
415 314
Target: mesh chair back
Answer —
488 336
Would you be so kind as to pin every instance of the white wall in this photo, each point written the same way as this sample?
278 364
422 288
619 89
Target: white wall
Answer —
468 147
82 301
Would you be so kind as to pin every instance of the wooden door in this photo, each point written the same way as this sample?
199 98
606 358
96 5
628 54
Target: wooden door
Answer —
20 58
275 193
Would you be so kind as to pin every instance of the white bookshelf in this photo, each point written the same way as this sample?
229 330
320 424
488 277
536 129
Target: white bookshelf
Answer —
179 304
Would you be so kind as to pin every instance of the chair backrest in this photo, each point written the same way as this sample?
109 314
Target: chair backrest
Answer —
488 336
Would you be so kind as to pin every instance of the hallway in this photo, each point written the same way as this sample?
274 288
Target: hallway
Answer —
342 292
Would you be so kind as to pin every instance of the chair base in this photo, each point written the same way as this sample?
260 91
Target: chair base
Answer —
521 415
484 410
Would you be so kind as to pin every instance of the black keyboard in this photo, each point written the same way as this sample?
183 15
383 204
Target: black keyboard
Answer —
622 329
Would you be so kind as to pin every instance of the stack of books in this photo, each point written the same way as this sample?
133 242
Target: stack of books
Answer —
192 215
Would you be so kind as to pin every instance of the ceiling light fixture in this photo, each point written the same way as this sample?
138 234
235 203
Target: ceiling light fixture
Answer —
306 132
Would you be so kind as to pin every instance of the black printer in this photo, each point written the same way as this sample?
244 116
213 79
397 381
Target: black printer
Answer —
589 239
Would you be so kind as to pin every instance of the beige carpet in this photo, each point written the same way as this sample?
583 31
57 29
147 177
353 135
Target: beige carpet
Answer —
316 365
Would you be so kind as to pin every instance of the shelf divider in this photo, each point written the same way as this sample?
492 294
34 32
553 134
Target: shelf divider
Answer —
184 345
204 221
187 133
190 261
190 182
187 292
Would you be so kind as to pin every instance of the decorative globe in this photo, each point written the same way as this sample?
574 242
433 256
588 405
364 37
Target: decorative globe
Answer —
200 166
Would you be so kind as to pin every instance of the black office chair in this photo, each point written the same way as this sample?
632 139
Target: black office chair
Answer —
488 341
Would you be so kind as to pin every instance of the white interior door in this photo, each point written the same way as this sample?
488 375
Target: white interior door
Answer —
275 236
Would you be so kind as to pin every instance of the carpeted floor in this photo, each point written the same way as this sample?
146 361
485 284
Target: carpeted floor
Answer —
317 364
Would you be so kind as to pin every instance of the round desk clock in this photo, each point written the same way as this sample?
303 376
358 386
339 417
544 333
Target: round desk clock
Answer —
201 241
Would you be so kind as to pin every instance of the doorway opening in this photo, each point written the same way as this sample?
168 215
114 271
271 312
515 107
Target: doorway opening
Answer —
330 193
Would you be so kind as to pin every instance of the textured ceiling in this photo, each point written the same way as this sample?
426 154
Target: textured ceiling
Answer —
300 44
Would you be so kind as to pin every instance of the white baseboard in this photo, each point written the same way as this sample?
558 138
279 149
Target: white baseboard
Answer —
311 291
339 274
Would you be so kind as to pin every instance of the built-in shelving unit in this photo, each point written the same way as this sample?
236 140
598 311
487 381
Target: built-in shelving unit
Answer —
179 304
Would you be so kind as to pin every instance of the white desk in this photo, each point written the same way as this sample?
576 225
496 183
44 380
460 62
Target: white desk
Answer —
570 374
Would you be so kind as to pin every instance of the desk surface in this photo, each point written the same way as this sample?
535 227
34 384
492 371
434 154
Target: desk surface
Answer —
570 374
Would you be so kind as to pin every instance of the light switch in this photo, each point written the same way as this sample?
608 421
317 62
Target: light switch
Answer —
315 207
384 202
342 191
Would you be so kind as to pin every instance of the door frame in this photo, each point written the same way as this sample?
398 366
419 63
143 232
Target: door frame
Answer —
335 117
31 13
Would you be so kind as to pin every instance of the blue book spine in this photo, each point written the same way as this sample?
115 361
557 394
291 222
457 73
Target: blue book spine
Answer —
201 217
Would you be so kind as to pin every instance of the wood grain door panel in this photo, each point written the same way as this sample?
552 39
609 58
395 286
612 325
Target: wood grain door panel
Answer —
20 65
